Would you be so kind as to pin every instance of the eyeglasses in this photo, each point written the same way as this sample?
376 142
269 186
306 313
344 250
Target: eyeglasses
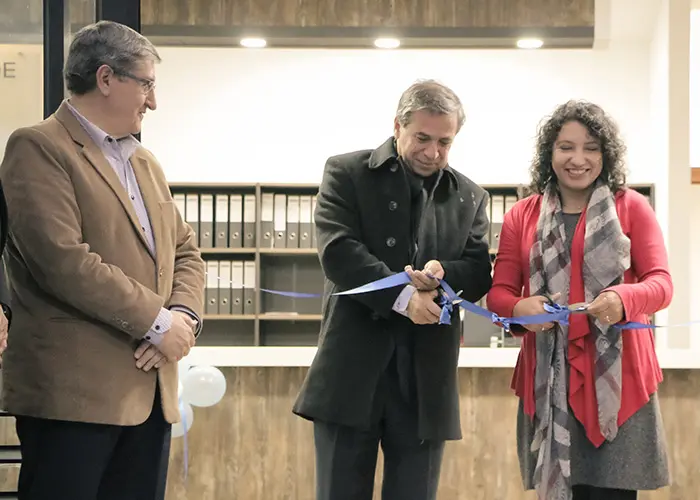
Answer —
146 85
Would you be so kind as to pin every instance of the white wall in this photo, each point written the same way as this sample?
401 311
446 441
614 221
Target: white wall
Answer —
658 115
694 201
234 115
670 113
21 88
237 115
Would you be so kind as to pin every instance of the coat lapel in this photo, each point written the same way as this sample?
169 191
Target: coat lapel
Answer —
150 197
93 154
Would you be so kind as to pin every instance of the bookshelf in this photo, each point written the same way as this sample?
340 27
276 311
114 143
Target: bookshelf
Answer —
261 236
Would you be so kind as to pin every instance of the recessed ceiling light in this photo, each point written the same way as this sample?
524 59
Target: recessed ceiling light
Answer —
253 43
387 43
529 43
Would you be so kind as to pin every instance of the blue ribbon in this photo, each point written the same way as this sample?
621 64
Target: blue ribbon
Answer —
447 299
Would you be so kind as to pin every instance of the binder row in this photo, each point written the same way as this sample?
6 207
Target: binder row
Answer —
219 220
287 220
230 287
499 205
229 220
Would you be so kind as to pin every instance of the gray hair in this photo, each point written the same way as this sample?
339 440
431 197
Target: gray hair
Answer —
431 96
105 42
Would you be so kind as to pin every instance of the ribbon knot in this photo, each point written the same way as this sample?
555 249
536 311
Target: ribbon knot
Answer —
561 313
505 322
445 303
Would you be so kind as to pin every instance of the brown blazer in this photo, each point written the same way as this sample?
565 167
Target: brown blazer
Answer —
84 286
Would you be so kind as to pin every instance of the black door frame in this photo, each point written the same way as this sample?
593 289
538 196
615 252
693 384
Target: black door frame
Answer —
56 37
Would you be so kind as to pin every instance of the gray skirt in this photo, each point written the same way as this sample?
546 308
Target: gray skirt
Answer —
635 460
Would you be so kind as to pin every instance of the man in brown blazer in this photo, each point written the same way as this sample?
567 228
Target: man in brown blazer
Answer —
5 311
106 280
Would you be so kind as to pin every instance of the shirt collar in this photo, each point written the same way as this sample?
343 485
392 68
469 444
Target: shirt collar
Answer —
128 144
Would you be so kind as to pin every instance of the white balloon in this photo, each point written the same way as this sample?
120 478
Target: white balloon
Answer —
182 368
178 428
203 386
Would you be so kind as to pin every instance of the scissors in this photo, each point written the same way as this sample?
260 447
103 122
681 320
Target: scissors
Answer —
446 297
577 308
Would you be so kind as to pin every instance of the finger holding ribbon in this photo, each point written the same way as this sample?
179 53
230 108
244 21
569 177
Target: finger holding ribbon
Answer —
533 306
607 308
427 279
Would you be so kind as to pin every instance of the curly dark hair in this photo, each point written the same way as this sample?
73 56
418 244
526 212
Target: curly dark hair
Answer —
599 125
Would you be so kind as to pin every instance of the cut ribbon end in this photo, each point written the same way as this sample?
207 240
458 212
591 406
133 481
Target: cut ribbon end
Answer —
445 302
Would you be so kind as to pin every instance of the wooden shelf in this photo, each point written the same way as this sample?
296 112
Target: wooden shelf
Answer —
285 338
289 251
232 251
229 317
289 317
285 316
695 175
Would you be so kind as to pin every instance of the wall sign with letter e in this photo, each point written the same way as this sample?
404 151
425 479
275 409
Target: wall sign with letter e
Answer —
8 69
21 88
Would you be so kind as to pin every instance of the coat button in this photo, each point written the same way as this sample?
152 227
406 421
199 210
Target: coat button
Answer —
391 241
394 167
393 205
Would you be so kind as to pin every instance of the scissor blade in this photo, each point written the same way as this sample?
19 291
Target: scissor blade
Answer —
580 307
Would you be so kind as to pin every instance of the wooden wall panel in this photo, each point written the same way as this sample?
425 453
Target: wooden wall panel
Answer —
251 447
366 13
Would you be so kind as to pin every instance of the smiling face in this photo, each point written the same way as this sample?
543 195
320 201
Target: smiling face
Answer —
128 96
577 158
425 141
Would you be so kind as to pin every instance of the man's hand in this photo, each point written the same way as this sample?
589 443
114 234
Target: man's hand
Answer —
428 278
148 356
178 341
3 333
421 308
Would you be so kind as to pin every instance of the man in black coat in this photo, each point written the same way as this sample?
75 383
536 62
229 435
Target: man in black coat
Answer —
386 370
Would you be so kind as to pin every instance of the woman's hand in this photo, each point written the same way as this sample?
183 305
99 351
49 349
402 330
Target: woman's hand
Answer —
607 308
532 306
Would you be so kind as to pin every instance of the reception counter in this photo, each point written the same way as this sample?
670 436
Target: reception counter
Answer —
470 357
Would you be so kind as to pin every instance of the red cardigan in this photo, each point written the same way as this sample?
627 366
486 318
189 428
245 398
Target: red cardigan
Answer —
647 288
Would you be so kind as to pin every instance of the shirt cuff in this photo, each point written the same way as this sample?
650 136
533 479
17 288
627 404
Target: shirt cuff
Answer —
401 302
159 327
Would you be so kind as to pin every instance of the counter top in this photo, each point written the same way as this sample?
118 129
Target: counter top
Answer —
470 357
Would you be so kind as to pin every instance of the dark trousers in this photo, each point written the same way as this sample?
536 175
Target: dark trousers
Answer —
346 457
584 492
80 461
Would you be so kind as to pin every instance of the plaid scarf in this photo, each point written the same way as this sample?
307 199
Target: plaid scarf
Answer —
606 257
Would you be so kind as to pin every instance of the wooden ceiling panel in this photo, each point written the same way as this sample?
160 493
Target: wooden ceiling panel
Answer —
370 13
335 23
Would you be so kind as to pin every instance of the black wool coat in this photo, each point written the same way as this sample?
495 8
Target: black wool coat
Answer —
363 234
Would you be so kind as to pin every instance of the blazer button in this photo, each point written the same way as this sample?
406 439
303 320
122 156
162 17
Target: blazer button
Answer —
391 241
393 205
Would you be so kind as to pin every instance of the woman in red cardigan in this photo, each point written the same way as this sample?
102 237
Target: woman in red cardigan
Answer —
589 425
